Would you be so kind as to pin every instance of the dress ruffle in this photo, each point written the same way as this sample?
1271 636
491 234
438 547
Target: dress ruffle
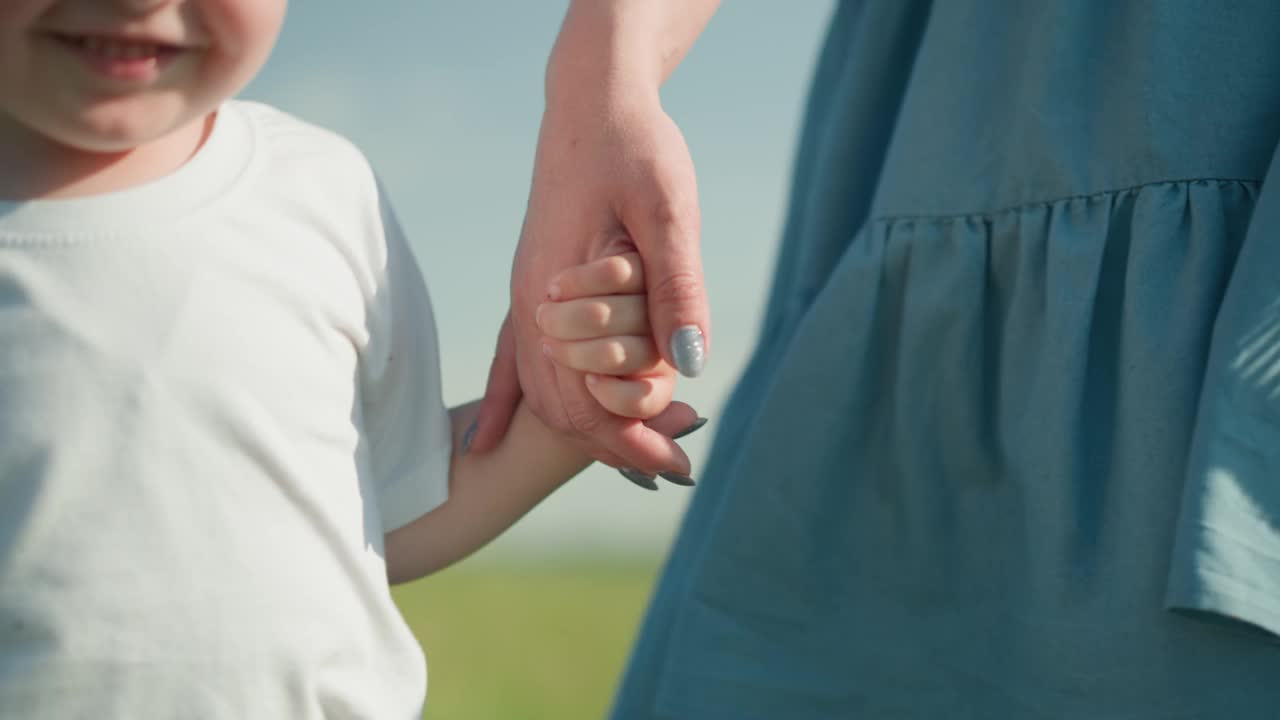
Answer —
969 459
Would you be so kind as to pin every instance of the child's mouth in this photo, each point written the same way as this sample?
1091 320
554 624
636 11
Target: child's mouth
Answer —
121 58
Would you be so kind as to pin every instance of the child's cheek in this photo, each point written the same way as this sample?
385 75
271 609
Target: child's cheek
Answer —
241 34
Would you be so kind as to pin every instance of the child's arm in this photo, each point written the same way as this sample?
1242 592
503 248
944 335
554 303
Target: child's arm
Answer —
488 492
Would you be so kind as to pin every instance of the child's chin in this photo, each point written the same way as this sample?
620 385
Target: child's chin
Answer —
125 124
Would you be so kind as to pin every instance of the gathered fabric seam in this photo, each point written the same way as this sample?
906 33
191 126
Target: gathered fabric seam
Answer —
992 214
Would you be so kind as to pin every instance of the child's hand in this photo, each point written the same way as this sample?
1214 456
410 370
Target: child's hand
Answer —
598 324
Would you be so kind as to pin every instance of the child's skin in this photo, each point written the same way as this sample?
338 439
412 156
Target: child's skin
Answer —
596 322
599 324
598 329
101 95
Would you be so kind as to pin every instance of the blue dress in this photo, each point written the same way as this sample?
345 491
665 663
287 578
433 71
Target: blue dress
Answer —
1009 446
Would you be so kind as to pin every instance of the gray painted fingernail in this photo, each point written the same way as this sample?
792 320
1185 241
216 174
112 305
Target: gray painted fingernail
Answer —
678 479
689 350
469 435
644 480
695 427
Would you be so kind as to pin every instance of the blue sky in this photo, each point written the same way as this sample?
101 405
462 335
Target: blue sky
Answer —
445 99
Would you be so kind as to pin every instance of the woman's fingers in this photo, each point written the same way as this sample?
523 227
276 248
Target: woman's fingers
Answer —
614 275
501 396
641 398
623 355
594 317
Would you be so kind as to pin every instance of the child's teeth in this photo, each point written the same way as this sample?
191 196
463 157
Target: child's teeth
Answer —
117 50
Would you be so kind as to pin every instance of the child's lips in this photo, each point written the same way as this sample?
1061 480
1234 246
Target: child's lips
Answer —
120 58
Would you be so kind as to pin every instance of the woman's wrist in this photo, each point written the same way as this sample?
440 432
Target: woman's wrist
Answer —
599 57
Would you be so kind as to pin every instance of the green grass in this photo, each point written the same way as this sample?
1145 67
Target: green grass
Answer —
526 642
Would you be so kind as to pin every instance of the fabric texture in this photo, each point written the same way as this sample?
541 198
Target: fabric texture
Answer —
1009 446
217 392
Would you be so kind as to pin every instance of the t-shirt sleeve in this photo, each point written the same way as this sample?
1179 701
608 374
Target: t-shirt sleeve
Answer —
406 423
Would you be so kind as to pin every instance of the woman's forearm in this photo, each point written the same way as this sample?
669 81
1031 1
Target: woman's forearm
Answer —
630 44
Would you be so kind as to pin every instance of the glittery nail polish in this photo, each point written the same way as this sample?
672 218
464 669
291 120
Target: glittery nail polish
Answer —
689 349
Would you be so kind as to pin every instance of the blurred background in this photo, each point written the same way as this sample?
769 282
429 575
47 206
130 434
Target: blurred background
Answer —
445 99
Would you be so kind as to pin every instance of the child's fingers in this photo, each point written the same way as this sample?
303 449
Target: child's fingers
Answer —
622 355
594 317
632 397
614 275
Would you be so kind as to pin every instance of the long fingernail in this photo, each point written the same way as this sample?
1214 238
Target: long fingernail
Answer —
469 435
689 350
644 480
678 479
695 427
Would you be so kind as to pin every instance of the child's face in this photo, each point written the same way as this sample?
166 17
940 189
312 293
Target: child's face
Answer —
112 75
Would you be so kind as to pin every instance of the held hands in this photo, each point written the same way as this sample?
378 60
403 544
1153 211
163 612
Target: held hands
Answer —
596 322
609 165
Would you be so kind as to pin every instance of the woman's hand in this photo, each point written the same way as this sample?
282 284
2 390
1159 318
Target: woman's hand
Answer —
611 172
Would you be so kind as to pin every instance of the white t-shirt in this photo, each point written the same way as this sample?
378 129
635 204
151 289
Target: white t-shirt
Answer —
217 392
